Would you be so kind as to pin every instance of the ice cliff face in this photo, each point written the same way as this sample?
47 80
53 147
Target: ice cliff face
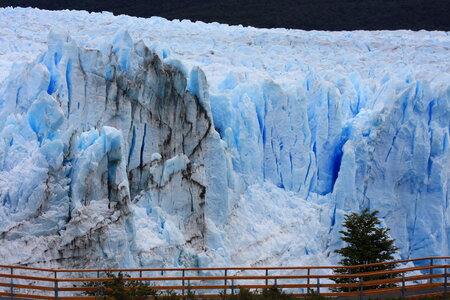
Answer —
112 154
85 136
388 151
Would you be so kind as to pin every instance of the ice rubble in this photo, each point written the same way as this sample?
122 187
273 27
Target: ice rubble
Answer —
191 144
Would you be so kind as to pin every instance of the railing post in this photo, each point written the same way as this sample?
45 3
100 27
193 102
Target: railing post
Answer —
431 269
403 285
445 282
225 281
361 288
318 285
267 274
189 287
12 284
232 286
308 281
182 282
100 287
56 286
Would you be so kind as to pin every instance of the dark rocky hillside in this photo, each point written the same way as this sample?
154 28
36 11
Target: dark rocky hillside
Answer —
300 14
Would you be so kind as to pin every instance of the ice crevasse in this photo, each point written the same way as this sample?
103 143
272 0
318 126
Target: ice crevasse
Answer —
120 155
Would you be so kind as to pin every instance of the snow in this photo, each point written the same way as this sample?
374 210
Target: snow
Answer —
145 142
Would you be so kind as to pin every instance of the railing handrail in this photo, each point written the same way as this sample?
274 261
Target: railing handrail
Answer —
386 279
229 277
220 268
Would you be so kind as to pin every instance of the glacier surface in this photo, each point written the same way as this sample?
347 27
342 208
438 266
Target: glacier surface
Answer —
128 142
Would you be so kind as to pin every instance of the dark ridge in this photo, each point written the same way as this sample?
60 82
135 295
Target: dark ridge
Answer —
298 14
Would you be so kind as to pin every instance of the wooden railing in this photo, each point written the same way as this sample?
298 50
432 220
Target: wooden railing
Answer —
428 278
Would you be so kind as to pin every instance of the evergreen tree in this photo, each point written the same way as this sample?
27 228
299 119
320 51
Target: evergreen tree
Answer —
365 243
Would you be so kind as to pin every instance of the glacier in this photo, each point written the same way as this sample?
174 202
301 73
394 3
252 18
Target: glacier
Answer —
128 142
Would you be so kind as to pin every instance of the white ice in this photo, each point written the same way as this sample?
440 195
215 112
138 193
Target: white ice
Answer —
269 136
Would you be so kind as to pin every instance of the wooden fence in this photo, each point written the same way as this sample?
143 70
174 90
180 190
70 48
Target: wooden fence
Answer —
428 277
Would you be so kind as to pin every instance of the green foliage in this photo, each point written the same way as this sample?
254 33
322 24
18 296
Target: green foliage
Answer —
190 295
245 294
366 243
119 289
90 284
272 293
169 295
439 297
315 296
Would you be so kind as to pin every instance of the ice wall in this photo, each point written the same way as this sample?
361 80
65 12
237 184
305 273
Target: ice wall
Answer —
98 145
112 154
387 151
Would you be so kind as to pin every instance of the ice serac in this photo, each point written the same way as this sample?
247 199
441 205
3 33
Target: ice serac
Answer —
384 147
100 147
407 172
